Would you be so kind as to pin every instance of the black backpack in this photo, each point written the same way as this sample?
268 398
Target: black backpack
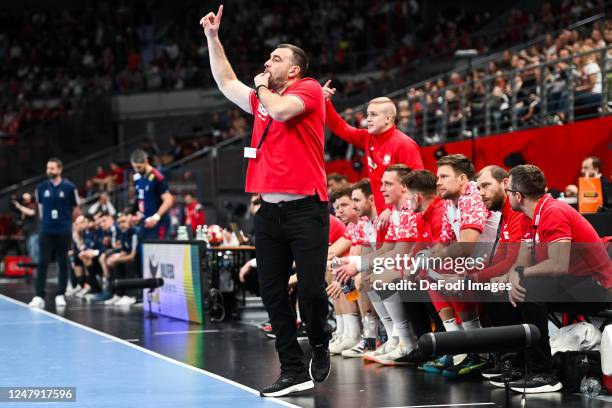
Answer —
572 366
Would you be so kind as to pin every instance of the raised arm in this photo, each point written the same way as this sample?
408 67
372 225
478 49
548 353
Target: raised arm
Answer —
337 125
222 71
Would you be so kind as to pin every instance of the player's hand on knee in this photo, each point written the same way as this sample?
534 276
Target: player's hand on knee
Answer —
334 290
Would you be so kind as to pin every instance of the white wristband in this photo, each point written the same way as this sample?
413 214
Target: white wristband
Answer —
156 217
356 260
253 263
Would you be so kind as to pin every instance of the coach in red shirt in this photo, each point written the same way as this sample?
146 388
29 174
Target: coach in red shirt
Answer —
286 166
561 260
383 143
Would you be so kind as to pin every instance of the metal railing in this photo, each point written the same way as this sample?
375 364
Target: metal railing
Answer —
207 176
550 93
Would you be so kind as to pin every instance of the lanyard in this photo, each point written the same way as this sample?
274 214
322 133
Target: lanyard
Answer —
497 236
265 133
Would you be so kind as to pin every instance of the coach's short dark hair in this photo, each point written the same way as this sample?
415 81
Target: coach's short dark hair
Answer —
421 181
497 172
363 185
529 180
401 169
299 57
460 163
56 161
139 156
344 191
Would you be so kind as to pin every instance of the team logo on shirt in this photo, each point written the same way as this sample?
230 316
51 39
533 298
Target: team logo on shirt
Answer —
263 113
61 194
387 159
47 193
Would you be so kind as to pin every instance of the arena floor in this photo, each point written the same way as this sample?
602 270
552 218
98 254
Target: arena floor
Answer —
117 357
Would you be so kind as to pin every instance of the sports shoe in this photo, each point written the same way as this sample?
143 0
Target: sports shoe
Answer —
512 376
126 301
37 303
266 328
287 384
102 296
72 291
345 344
365 344
60 301
383 349
112 300
502 363
320 365
264 324
439 365
401 355
81 293
471 364
335 338
537 383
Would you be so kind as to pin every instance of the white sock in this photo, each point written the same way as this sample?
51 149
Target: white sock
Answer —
471 324
339 325
352 326
451 325
382 312
401 321
370 326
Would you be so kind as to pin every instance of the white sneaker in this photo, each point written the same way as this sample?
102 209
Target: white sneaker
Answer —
360 348
126 301
336 337
81 293
60 301
73 291
112 300
345 344
37 303
90 297
383 349
402 355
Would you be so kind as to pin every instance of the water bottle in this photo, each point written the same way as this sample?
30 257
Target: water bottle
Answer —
348 287
589 386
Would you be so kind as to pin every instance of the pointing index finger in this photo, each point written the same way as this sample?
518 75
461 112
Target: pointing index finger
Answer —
219 14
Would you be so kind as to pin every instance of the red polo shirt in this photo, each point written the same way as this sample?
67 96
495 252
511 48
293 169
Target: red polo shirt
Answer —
291 159
429 222
555 221
382 150
336 229
515 225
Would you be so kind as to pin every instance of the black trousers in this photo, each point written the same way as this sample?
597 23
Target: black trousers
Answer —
58 245
546 294
287 232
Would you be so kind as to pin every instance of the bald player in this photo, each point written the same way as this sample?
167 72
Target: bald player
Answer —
382 142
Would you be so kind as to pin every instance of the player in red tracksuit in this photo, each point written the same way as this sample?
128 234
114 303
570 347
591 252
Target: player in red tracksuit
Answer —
383 143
